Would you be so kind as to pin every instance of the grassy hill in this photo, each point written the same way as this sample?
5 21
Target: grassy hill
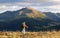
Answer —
17 34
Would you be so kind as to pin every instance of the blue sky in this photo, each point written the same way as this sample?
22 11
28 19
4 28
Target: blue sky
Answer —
41 5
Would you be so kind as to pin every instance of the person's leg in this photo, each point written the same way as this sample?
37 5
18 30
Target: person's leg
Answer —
23 31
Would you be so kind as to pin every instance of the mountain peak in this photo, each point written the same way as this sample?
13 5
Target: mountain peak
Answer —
30 12
24 12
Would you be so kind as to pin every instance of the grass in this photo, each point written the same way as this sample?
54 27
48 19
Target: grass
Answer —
17 34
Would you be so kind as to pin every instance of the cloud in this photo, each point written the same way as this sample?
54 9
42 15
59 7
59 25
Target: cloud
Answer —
13 1
4 8
42 5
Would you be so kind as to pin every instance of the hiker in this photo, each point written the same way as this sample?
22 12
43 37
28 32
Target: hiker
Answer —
24 26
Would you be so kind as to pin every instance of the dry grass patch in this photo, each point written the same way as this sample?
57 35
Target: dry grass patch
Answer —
17 34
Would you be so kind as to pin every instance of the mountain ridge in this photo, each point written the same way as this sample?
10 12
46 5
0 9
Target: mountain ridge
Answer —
22 12
35 20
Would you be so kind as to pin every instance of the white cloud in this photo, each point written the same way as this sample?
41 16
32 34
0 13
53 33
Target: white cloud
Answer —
4 8
53 8
42 5
55 0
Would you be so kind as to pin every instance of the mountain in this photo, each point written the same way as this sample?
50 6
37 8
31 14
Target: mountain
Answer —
53 16
35 20
25 12
30 12
58 14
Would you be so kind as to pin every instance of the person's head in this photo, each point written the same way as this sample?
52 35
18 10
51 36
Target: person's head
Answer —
24 25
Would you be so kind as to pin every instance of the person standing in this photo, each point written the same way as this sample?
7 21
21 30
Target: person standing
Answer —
24 26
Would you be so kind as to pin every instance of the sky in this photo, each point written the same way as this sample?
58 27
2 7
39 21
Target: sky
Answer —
41 5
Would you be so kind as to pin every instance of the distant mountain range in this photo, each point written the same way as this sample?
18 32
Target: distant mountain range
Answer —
53 16
35 20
